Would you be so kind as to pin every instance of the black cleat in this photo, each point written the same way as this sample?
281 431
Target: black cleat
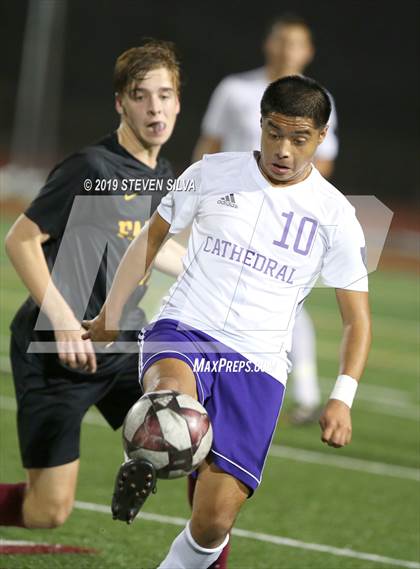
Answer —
136 480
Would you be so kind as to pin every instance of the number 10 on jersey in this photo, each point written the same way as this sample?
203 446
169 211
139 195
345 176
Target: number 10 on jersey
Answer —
299 245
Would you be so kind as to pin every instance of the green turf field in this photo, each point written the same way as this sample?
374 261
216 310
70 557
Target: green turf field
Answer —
317 508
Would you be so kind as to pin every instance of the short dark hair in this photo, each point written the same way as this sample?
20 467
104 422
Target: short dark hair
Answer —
288 19
297 96
135 63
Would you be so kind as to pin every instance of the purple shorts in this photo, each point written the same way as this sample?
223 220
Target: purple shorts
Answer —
243 402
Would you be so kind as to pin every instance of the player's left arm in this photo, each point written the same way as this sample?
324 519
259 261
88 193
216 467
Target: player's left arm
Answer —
335 420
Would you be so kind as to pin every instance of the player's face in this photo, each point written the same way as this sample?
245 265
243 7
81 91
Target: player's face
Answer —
150 107
288 145
289 48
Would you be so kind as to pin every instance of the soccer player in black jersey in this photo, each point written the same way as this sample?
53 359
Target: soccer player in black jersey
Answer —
86 232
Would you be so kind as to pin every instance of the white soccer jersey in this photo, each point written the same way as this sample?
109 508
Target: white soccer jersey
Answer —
255 251
233 115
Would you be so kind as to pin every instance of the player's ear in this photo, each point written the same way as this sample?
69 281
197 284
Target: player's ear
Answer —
322 133
178 105
118 104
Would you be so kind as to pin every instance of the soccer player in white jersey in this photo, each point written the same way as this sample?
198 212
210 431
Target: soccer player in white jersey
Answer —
231 123
265 226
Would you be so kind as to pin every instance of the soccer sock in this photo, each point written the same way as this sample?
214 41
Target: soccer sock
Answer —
185 553
11 504
221 562
304 386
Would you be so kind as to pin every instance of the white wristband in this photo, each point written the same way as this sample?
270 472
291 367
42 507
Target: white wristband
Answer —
344 389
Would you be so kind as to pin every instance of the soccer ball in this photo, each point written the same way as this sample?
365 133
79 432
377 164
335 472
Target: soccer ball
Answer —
171 430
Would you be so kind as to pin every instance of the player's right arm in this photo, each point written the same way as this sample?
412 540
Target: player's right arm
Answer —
133 267
24 248
169 258
175 213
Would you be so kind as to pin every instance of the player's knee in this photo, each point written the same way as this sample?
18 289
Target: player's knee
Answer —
170 382
171 374
59 514
210 531
49 515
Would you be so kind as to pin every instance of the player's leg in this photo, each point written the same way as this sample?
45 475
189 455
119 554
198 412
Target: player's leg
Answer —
49 496
124 392
11 503
304 384
221 562
177 375
170 373
218 498
217 501
136 479
46 499
50 411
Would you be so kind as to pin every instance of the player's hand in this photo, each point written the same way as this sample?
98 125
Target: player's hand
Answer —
75 353
335 424
97 331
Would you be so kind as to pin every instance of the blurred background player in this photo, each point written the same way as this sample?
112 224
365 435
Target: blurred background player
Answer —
54 390
231 123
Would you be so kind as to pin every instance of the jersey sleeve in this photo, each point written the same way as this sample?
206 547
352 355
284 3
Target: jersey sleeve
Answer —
344 265
180 206
216 118
328 149
51 208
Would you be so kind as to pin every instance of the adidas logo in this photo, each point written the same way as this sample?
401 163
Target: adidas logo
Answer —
229 200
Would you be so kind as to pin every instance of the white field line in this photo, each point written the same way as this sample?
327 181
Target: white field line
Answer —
21 542
5 366
373 392
379 358
382 400
288 453
345 462
412 414
266 538
384 326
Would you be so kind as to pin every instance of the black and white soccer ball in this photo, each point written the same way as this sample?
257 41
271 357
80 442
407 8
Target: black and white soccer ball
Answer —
171 430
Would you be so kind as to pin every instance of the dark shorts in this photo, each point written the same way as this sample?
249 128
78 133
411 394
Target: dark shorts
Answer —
52 401
242 401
